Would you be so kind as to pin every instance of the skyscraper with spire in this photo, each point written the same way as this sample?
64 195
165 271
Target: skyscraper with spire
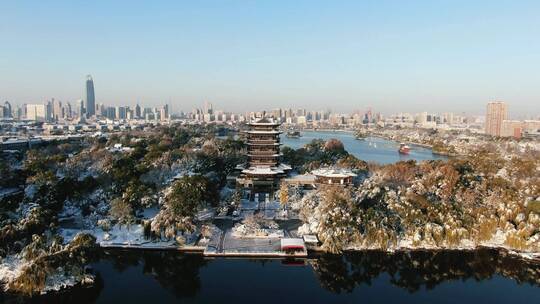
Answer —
90 102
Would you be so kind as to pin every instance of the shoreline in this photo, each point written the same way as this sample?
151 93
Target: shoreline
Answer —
423 145
311 251
312 254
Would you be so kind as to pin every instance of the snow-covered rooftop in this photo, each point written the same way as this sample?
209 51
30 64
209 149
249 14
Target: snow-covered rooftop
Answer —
264 121
263 132
265 170
311 239
301 178
267 155
334 172
263 144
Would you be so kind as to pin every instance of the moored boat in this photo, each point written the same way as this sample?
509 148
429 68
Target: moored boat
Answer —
293 134
404 149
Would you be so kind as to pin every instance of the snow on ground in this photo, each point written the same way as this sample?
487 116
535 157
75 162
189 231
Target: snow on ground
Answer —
149 213
116 235
59 280
70 210
497 241
241 231
10 268
123 237
205 215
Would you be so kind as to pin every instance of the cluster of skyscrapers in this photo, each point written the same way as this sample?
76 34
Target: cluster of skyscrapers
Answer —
56 111
495 122
6 111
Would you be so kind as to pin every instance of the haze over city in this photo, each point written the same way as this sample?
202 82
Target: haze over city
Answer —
240 55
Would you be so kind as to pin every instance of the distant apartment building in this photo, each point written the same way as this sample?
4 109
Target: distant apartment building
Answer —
138 111
111 113
301 120
517 128
448 118
164 112
121 112
6 110
57 110
511 128
37 112
531 125
496 113
421 118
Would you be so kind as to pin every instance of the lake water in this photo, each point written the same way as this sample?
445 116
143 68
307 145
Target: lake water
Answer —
371 149
482 276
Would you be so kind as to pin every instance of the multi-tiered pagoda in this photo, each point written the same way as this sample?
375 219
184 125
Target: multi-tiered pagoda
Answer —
260 176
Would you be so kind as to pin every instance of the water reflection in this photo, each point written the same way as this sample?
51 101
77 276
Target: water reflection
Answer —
414 270
180 274
176 272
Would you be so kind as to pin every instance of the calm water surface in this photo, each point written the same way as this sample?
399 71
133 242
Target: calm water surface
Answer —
482 276
371 149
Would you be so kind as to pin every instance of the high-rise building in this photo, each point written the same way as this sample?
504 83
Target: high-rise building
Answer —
496 113
421 118
138 111
68 111
80 107
37 112
121 112
7 110
90 105
57 110
101 110
208 108
49 111
164 112
111 113
17 113
448 118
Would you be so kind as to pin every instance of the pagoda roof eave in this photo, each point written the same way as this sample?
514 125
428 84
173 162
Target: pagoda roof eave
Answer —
276 124
263 132
266 155
264 144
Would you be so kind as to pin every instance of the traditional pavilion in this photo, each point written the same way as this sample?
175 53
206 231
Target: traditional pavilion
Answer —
334 176
322 176
261 175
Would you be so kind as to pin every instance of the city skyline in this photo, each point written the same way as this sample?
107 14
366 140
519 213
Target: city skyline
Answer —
413 57
89 102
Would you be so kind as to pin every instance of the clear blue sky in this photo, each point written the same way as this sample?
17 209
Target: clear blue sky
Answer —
246 55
